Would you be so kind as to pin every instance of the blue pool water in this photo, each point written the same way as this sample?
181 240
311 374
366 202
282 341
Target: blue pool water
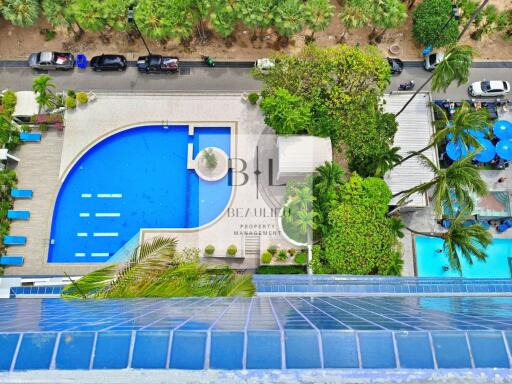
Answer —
429 263
134 179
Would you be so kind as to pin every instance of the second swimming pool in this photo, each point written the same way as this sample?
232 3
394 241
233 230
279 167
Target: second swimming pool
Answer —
429 263
134 179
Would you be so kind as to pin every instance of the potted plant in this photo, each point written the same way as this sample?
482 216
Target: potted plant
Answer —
210 158
266 257
209 250
232 250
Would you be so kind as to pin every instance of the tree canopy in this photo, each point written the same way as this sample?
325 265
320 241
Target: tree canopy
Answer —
429 19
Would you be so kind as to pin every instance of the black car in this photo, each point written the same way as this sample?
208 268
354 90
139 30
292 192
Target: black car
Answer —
158 63
108 63
396 65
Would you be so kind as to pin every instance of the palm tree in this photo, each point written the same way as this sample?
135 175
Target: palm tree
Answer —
154 271
353 16
454 66
22 13
318 15
89 14
387 161
463 120
455 182
387 14
42 86
328 175
460 240
59 13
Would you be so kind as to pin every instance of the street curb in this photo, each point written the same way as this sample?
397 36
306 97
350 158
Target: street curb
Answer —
250 64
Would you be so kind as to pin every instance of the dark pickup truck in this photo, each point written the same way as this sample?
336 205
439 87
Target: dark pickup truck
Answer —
158 63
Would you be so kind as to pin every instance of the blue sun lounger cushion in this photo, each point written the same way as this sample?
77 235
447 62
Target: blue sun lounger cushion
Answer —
18 215
29 136
502 228
15 240
21 193
11 260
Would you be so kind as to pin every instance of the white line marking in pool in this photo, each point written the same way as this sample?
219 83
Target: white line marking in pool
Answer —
105 234
109 195
107 214
82 234
99 254
85 214
86 195
80 254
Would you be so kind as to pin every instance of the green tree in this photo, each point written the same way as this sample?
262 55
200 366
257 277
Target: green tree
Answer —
455 66
43 86
353 15
256 15
448 184
395 265
115 13
153 271
462 240
457 127
21 13
386 161
360 240
223 18
488 23
387 14
286 113
153 20
318 15
428 20
89 14
289 17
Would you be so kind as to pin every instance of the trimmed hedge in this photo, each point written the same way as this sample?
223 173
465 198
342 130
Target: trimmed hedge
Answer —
281 270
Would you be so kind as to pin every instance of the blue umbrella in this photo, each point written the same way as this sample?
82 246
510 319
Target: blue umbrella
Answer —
487 153
456 150
504 149
502 129
473 132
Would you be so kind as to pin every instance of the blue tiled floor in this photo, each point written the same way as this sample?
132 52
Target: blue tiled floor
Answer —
257 333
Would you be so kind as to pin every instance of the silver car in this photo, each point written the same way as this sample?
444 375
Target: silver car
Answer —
432 60
51 61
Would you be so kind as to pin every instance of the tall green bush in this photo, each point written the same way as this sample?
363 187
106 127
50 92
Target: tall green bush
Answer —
428 21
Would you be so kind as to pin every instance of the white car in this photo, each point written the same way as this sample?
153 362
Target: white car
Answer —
432 60
489 88
264 65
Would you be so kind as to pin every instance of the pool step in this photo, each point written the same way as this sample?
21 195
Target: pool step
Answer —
252 245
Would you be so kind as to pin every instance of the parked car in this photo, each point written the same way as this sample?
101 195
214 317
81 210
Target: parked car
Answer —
264 65
158 63
51 61
489 88
432 60
396 65
108 63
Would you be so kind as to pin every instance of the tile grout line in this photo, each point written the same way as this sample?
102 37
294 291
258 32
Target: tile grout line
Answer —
169 346
507 348
246 338
131 348
281 334
93 351
432 349
470 351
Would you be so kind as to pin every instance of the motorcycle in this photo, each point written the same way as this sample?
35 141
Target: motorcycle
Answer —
407 86
208 61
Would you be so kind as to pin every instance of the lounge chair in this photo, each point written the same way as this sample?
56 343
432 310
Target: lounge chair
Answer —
11 260
484 223
21 193
15 240
445 223
28 136
469 223
18 215
502 228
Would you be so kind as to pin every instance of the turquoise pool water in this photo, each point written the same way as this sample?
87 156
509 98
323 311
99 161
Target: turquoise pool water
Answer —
429 263
134 179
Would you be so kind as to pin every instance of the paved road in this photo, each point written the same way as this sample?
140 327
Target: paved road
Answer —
205 79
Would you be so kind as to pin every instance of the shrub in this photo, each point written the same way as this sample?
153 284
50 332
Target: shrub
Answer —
209 249
43 127
266 257
300 258
292 251
71 93
282 255
253 98
272 249
48 34
46 119
232 250
210 158
70 102
187 255
82 97
429 18
9 101
281 270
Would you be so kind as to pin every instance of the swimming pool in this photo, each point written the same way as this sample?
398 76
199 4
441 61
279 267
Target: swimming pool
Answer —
429 263
137 178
